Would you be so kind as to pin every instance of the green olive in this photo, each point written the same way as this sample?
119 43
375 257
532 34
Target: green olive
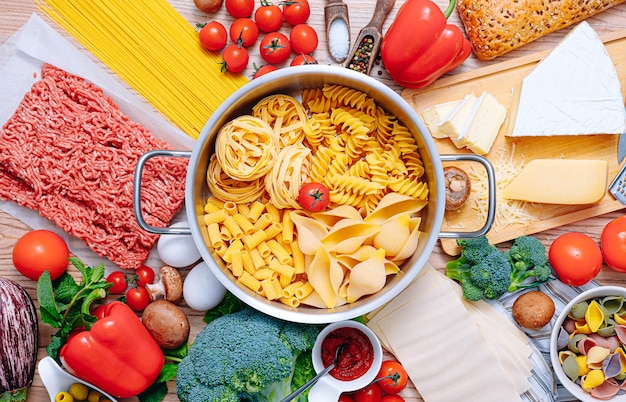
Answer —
94 396
64 396
79 391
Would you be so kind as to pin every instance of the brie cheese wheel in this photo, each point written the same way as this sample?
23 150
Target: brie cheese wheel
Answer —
560 181
574 90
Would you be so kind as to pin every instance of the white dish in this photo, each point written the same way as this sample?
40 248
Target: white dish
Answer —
56 379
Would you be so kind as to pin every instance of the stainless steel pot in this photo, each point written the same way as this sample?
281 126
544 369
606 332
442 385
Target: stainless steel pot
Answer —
291 81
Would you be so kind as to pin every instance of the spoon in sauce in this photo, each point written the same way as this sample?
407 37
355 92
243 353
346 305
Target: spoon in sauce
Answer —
313 380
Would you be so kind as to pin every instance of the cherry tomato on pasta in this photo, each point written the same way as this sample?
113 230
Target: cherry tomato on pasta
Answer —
576 258
313 197
38 251
235 59
268 17
392 377
296 11
244 32
213 36
303 39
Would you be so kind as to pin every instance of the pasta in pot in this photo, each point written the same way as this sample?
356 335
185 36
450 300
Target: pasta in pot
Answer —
371 165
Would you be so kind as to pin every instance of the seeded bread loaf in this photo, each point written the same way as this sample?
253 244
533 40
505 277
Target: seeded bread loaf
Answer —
495 27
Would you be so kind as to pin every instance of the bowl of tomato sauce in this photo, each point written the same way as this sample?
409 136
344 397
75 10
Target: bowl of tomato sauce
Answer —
359 359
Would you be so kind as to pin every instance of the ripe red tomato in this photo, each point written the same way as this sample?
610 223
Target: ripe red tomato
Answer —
576 258
268 17
144 275
392 377
345 398
371 393
137 298
213 36
264 69
239 8
118 279
613 244
244 32
303 39
38 251
313 197
303 59
235 59
275 48
296 11
392 398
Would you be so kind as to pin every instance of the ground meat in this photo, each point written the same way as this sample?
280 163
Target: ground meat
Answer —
69 152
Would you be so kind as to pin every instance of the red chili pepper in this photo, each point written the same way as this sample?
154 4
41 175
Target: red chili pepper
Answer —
420 46
117 354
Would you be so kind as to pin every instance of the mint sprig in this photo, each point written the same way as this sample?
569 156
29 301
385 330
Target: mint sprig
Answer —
65 303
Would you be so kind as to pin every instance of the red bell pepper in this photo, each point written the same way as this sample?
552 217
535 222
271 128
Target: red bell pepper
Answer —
117 354
420 46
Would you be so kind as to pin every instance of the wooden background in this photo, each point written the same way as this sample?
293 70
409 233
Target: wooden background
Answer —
16 12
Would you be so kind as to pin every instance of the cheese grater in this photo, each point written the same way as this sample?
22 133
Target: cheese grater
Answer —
618 186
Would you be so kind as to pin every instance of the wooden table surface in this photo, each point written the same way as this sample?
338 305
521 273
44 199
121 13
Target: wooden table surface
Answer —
16 12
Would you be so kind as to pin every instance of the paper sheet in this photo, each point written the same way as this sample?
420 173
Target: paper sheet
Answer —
21 58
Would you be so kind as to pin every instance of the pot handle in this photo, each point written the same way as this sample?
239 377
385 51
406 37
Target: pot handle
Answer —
491 207
137 191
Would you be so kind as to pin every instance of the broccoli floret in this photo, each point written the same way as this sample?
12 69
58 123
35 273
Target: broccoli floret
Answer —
242 354
482 269
528 258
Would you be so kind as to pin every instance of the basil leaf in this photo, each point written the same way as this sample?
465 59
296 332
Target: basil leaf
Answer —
45 295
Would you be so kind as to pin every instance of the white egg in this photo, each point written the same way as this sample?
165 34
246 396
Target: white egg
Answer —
202 290
177 251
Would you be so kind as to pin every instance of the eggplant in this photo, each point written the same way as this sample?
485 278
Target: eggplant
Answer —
18 341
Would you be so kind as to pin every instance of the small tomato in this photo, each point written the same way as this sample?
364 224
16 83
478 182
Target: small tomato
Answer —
264 69
275 48
392 398
313 197
392 377
296 11
235 59
371 393
303 59
144 275
239 8
213 36
345 398
268 17
244 32
38 251
613 244
118 279
576 258
137 298
303 39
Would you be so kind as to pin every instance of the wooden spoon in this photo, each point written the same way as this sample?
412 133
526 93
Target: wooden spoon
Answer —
365 50
336 12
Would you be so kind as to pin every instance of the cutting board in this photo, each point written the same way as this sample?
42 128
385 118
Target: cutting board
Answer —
501 80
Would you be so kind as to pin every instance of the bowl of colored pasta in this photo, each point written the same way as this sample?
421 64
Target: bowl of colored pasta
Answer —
587 344
355 137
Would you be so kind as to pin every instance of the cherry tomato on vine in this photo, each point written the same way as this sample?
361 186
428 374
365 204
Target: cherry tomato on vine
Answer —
275 48
137 298
235 59
144 275
268 17
392 398
264 69
392 377
371 393
576 258
213 36
345 398
239 8
118 279
303 59
303 39
313 197
613 244
38 251
296 11
244 32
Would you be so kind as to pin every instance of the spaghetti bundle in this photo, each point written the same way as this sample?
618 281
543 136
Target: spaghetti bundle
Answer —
154 50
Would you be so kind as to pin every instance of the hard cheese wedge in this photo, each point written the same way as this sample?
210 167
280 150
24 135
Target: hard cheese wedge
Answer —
574 90
560 181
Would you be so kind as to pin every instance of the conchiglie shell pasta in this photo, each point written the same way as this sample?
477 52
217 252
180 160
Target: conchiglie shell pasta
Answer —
325 275
310 232
393 204
332 216
399 236
367 277
348 235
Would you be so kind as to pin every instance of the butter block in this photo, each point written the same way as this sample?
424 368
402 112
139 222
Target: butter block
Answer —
560 181
485 125
455 122
435 114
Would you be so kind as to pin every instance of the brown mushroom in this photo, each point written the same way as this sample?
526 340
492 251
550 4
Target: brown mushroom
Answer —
167 323
169 287
533 310
458 187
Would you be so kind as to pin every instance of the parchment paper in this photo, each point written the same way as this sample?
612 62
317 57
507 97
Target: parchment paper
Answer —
21 58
